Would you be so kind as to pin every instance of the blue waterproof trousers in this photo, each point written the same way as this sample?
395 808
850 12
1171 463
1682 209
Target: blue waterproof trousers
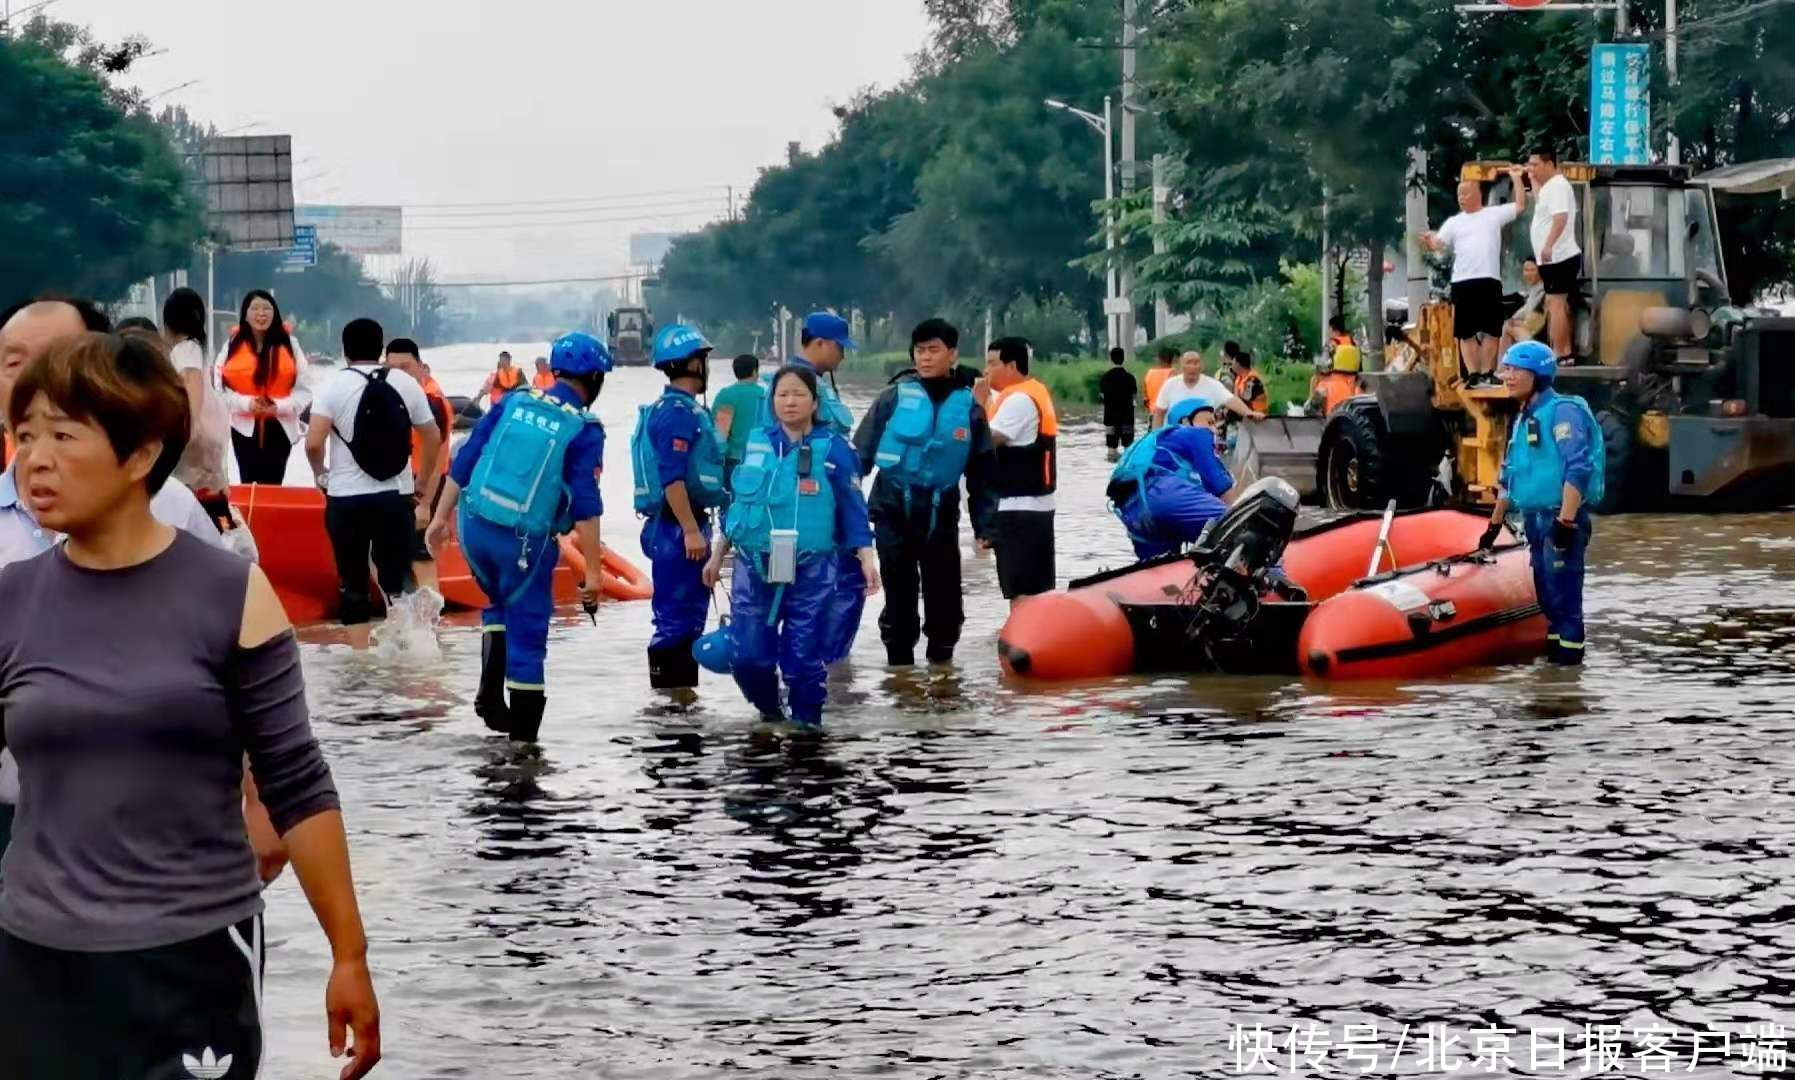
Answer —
680 598
846 604
1558 581
522 598
1168 512
792 640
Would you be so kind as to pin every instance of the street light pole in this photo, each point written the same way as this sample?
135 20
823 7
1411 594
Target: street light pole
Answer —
1125 289
1675 148
1101 125
1109 240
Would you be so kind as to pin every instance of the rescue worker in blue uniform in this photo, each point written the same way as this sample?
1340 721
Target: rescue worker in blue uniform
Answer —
1169 486
526 474
1553 473
676 461
796 512
924 433
823 342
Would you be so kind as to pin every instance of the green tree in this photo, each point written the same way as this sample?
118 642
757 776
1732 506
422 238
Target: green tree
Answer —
92 196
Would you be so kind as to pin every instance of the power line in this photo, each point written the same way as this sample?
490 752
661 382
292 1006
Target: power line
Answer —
453 215
595 199
540 225
543 281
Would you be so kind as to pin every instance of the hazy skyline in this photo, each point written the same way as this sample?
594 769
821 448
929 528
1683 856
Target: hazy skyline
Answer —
620 117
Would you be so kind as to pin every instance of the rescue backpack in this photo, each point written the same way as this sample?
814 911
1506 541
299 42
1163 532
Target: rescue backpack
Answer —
704 462
1130 475
518 483
382 441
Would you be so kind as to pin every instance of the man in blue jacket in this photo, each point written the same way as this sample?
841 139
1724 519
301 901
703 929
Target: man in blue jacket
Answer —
1552 474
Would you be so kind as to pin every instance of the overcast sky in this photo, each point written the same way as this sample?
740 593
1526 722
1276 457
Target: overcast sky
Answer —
644 109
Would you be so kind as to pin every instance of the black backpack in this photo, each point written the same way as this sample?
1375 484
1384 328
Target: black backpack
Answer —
382 442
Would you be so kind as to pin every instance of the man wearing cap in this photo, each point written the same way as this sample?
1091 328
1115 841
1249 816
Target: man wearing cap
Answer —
677 467
823 343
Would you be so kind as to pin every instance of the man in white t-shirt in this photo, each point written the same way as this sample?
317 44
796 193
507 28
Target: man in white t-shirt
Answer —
1474 236
1025 431
1554 231
370 512
1191 383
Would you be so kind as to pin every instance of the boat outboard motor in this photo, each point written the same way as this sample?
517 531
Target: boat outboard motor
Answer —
1237 555
1252 535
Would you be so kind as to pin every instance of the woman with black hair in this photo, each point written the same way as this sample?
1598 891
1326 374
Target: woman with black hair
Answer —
261 370
203 466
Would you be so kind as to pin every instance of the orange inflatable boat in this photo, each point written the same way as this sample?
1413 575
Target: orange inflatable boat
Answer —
1126 620
1428 620
294 551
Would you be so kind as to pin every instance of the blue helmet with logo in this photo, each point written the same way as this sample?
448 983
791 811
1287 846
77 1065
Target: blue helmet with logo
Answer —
677 343
579 353
715 651
1186 409
1531 356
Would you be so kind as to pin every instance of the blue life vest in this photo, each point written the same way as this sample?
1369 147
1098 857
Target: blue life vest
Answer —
925 446
830 412
770 494
518 483
704 463
1536 469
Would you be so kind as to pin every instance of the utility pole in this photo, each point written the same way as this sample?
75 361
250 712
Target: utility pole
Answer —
1415 206
1675 149
1126 288
1327 269
1162 195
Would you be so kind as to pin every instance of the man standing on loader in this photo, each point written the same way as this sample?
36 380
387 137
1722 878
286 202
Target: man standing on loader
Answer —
1554 232
1553 474
1474 236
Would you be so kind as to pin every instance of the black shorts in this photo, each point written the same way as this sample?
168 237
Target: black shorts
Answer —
1476 308
1024 547
378 525
175 1011
1118 435
1560 278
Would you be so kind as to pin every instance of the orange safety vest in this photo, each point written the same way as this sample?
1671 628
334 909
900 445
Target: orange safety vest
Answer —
1031 469
543 380
1243 383
1156 378
445 420
1337 386
504 382
239 374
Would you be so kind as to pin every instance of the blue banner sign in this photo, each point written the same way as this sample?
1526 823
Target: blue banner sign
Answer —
1620 109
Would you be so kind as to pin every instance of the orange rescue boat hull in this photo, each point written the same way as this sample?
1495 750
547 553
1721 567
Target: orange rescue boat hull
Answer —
295 553
1083 633
1428 621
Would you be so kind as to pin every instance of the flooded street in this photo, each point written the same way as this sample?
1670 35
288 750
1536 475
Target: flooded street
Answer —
971 878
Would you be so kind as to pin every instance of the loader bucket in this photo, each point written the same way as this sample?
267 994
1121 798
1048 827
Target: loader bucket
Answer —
1283 446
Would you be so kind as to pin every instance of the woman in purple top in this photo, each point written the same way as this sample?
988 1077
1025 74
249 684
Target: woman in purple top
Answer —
130 908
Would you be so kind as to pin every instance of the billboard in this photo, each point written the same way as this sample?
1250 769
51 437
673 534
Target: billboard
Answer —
649 248
358 230
1620 109
249 190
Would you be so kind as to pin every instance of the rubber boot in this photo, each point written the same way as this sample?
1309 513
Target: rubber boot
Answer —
489 702
673 667
526 714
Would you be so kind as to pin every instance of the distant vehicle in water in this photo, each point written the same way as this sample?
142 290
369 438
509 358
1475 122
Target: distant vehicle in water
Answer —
629 330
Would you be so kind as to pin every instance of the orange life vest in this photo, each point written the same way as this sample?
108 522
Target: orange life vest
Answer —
445 422
1031 469
1243 385
504 381
1156 377
1337 386
239 373
543 380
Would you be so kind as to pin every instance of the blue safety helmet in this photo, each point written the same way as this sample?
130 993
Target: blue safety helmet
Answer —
579 353
1531 356
715 651
677 343
1186 409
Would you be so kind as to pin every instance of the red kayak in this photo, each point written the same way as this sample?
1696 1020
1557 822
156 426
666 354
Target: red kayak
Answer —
294 551
1427 621
1090 630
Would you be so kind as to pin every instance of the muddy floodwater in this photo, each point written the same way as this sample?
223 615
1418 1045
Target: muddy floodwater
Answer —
966 877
